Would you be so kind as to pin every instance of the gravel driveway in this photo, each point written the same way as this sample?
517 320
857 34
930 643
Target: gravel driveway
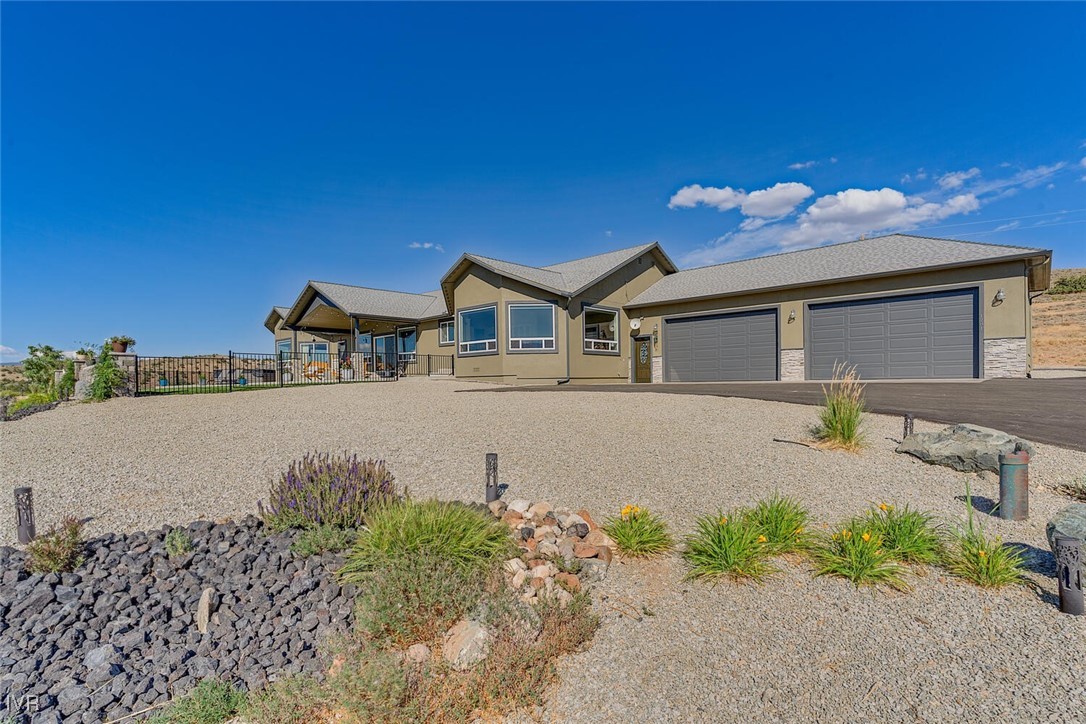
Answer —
795 648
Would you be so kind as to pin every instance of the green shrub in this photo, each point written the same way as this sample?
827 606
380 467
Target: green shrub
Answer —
39 366
177 543
1069 285
841 418
321 539
416 599
910 536
783 523
985 561
296 699
639 533
34 398
66 386
107 377
727 545
856 553
210 702
326 489
59 550
447 531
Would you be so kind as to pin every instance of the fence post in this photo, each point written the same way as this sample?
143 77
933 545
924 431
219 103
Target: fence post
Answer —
137 373
230 371
279 370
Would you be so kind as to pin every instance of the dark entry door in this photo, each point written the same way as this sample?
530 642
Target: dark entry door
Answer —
642 359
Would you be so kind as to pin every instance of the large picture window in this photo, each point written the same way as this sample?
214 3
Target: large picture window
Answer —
601 330
531 327
405 344
446 332
314 351
478 330
282 347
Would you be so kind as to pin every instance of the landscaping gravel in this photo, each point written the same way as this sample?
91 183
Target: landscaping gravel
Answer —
794 648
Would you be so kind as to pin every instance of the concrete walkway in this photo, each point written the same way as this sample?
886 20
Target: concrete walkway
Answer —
1049 411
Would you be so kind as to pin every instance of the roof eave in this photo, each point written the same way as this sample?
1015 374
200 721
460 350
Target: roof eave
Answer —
859 277
671 268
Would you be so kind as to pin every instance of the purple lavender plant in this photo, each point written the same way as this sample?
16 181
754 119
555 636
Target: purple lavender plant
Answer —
327 489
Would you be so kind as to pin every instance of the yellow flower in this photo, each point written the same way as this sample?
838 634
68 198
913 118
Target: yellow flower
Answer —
762 539
846 534
878 552
982 554
723 519
866 536
884 507
798 530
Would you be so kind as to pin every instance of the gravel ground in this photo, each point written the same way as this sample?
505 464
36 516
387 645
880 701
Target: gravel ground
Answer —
795 648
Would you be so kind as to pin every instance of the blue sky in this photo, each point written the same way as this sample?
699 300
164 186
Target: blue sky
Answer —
171 171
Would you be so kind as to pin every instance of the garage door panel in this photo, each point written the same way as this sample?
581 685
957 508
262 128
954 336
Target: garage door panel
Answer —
922 336
721 347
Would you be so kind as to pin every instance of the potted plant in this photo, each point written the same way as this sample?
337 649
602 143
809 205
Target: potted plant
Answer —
346 372
162 381
241 380
121 343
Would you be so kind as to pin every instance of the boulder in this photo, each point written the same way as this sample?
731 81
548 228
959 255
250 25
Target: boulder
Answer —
520 505
968 448
466 644
1071 521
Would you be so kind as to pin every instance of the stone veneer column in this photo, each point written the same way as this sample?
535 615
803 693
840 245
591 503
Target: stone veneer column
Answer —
1005 357
657 368
793 365
127 362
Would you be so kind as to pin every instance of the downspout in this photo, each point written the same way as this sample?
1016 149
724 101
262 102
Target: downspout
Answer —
565 380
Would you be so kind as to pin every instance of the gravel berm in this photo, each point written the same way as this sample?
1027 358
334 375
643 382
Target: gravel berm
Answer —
796 648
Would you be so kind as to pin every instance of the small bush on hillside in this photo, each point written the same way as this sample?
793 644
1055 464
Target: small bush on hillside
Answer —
210 702
783 523
727 544
842 414
177 543
910 536
416 600
34 398
639 533
330 490
857 553
59 550
322 539
1069 285
451 532
296 699
985 561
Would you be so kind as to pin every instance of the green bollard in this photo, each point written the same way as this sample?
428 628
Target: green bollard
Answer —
1014 485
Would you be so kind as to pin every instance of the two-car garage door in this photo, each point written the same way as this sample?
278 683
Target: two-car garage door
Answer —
916 336
912 336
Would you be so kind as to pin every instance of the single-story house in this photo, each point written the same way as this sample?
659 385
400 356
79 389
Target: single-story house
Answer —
896 307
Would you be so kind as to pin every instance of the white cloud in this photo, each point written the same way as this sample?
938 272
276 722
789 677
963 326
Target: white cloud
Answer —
920 175
957 179
690 196
1026 178
9 354
800 165
1082 162
833 159
426 245
777 200
1008 227
609 233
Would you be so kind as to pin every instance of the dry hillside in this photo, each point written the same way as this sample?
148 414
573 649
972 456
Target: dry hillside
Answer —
1059 327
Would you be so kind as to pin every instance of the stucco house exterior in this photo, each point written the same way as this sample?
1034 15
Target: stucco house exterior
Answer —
896 307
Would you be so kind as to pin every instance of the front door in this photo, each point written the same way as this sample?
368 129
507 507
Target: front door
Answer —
384 354
642 359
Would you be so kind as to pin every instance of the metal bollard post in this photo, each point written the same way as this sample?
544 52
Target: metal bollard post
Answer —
24 514
908 423
1069 574
1014 485
491 477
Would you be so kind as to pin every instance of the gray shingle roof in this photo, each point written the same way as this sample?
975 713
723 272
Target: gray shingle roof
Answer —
877 256
569 277
281 311
382 302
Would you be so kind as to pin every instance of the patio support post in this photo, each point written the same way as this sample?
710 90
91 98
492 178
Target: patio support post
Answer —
24 514
1069 572
491 477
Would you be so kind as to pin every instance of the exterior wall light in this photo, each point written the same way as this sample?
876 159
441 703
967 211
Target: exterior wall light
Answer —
1000 296
655 335
792 316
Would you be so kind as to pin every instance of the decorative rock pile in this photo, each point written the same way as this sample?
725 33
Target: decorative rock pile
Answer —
561 550
122 633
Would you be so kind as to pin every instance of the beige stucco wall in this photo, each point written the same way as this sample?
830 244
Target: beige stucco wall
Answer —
1010 319
479 286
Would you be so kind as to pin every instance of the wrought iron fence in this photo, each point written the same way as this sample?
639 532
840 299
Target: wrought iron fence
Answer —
234 371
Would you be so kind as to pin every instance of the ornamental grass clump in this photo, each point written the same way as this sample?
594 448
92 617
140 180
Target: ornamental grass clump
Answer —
842 413
58 550
325 489
639 533
782 521
857 553
445 531
909 536
1073 489
987 562
728 544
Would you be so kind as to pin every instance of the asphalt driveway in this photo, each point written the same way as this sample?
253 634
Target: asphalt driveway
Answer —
1049 411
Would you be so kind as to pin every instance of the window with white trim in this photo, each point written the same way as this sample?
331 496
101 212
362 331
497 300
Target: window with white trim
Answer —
405 344
600 330
282 347
446 332
531 327
314 351
478 330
